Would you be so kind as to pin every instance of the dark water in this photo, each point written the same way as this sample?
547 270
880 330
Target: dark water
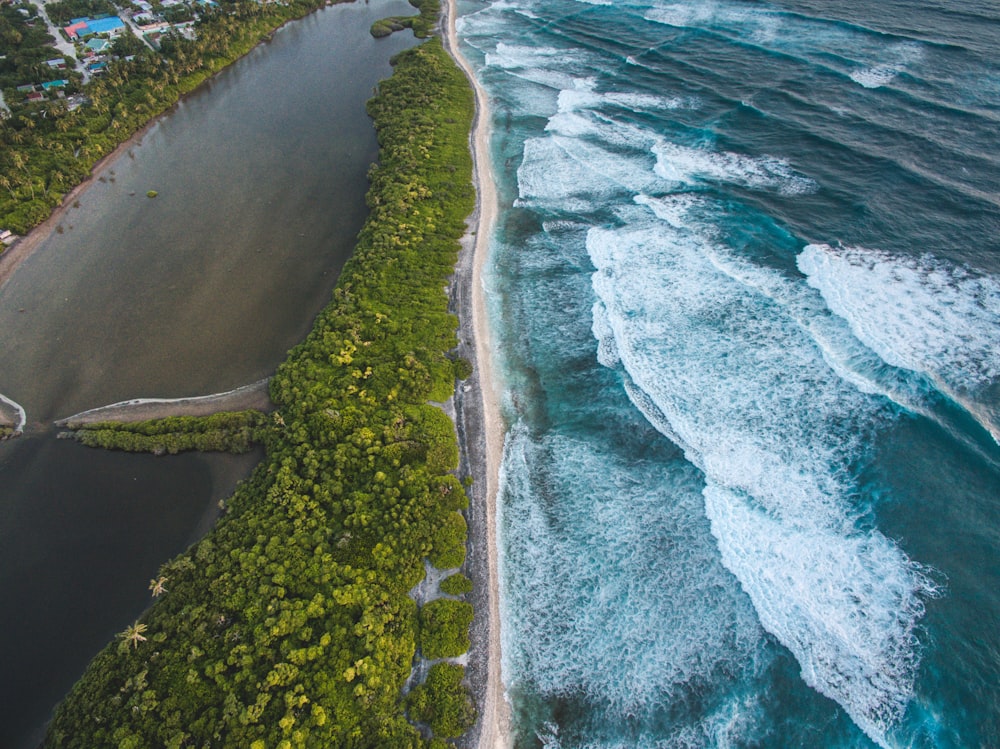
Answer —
746 292
261 181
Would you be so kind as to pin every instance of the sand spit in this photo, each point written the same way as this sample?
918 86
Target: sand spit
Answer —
140 409
12 415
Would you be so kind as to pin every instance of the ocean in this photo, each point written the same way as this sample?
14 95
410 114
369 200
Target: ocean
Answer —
745 295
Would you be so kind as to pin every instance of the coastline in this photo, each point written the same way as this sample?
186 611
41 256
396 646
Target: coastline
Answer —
481 424
12 258
12 416
253 396
19 251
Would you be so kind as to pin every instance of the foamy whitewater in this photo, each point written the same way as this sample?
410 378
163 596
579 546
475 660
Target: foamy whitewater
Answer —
746 293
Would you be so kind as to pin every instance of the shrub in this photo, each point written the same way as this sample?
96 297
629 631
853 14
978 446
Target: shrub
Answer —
456 585
444 628
442 702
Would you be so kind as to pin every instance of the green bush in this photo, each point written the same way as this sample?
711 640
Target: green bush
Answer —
456 585
444 628
449 542
442 702
234 432
463 369
423 24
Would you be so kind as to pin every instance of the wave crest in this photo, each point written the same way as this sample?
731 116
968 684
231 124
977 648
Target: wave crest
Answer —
718 358
918 313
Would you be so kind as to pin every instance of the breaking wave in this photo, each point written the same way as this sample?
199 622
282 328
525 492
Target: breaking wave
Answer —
917 313
729 372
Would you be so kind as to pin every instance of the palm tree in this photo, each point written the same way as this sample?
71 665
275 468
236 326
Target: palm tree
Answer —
157 585
134 634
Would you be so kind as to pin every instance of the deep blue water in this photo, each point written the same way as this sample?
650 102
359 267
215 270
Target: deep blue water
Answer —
745 289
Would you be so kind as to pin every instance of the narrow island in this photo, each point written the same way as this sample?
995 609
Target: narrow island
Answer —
328 607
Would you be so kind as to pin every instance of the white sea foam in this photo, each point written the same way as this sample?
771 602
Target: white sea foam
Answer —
722 362
759 25
684 15
843 603
897 56
727 726
873 63
543 67
918 313
611 569
572 172
682 164
847 356
733 723
589 157
875 77
674 209
524 57
600 127
588 98
607 348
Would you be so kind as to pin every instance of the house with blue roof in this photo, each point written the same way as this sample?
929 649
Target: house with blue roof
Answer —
112 25
81 27
97 45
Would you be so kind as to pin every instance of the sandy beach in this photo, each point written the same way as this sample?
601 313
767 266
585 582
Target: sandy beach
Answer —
480 424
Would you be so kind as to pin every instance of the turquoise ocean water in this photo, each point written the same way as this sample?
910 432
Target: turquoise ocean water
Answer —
745 288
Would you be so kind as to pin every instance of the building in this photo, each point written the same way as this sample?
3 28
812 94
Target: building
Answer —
81 27
97 46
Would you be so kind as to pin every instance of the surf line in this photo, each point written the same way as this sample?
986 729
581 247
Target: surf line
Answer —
22 416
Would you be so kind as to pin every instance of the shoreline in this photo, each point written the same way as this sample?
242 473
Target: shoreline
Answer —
12 416
480 424
14 256
19 251
253 396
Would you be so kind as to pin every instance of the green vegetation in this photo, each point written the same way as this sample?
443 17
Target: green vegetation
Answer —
24 48
234 432
442 702
456 585
444 628
290 624
151 193
423 23
449 551
48 147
